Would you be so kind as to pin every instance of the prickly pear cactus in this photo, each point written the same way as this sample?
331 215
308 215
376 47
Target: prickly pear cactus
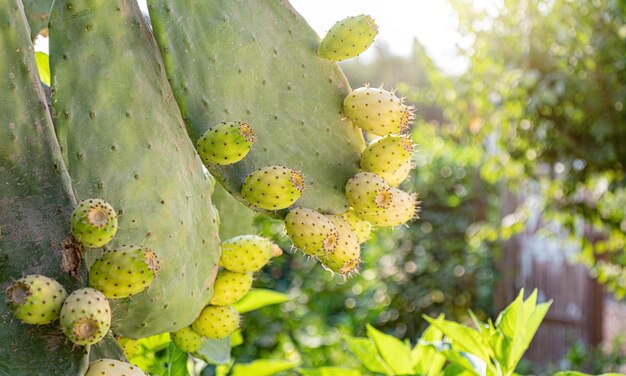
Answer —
124 141
255 61
35 203
37 12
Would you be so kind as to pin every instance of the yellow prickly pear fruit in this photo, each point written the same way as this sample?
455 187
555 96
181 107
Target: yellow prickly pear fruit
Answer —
310 231
226 143
346 255
377 111
216 322
361 228
246 253
348 38
273 187
229 287
187 340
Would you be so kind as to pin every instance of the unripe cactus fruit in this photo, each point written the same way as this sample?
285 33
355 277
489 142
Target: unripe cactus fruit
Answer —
377 111
346 255
226 143
367 192
395 178
93 223
130 346
398 207
229 287
216 322
111 367
187 340
124 271
36 299
273 187
361 228
85 316
387 154
246 253
310 231
348 38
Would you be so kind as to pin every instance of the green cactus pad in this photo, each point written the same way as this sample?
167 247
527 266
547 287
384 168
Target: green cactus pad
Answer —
112 367
124 141
124 271
217 322
187 340
37 12
348 38
256 61
36 299
36 202
93 223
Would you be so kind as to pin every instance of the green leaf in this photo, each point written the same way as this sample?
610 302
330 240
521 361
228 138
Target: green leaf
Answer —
395 352
176 361
329 371
464 338
258 298
426 359
262 367
368 355
236 338
470 363
43 66
215 351
576 373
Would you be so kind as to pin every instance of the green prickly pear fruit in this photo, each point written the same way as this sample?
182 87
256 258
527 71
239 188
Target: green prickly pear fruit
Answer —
36 299
273 187
187 340
346 255
387 154
310 231
398 207
124 271
226 143
377 111
246 253
361 228
229 287
395 178
85 316
367 193
93 222
216 322
348 38
112 367
130 346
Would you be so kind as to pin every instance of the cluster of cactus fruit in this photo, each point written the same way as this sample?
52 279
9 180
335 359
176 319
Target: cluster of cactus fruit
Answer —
148 154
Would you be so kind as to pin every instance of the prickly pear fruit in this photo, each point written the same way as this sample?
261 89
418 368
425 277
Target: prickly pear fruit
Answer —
394 178
346 255
273 187
216 322
398 207
361 228
367 192
310 231
229 287
93 223
124 271
187 340
226 143
246 253
130 346
111 367
348 38
377 111
387 154
85 316
36 299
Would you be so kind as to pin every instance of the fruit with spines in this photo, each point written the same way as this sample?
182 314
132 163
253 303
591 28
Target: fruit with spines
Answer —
216 322
112 367
273 187
36 299
229 287
348 38
246 253
187 340
310 231
367 193
346 256
387 154
395 178
130 346
85 316
124 271
361 228
398 207
377 111
93 222
226 143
